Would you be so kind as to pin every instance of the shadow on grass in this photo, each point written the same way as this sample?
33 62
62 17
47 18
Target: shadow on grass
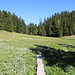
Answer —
58 57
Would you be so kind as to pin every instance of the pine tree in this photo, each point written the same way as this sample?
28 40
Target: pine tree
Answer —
10 22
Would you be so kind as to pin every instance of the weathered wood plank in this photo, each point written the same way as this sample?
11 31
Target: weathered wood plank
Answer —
40 67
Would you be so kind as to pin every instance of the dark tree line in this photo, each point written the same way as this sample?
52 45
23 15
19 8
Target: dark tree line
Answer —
32 29
62 24
10 22
58 25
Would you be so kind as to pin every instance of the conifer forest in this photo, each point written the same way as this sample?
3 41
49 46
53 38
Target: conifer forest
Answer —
57 25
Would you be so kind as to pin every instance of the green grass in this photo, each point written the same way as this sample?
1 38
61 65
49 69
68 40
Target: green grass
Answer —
15 57
18 54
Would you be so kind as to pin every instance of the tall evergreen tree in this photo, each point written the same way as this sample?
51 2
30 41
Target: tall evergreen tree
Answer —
58 25
10 22
41 29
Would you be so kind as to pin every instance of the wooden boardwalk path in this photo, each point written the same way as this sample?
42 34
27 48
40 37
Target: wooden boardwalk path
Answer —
40 67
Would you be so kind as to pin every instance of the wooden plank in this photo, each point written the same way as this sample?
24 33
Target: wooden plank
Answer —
40 66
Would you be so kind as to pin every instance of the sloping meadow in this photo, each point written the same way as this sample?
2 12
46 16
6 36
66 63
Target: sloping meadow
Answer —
15 57
18 54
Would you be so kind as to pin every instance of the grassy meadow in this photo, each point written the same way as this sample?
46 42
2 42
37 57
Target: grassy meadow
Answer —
18 54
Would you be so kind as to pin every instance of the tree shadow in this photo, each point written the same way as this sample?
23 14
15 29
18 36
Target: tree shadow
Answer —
56 57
